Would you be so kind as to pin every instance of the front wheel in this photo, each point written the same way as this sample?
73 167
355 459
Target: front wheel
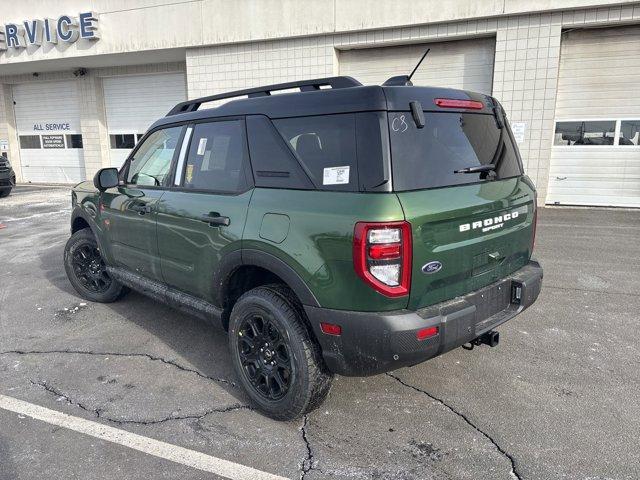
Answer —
5 192
278 362
86 269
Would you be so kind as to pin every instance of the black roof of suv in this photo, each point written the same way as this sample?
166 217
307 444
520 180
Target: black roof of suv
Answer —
325 96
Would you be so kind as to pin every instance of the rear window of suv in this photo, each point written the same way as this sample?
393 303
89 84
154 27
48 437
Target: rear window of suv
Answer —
428 157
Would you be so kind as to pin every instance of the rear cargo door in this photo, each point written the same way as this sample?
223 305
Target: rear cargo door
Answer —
469 229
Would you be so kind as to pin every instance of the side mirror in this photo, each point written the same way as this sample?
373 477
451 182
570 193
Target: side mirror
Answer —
106 178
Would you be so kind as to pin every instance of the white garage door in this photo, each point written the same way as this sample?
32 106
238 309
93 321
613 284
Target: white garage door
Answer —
466 64
48 125
595 158
133 103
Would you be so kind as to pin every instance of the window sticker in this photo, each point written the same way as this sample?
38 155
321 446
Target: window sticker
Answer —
335 175
202 146
189 175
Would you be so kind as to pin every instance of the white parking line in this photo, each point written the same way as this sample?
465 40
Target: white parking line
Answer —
174 453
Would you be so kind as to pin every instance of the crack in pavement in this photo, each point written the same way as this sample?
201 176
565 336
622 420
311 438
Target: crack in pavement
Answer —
587 290
98 412
121 354
307 463
514 471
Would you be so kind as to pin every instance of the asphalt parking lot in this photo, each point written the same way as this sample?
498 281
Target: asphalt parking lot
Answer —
558 398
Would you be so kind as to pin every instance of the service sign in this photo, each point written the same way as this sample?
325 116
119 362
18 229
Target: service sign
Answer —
35 32
55 126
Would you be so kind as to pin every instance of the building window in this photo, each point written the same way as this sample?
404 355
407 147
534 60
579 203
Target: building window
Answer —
629 132
74 141
585 133
139 136
122 141
30 141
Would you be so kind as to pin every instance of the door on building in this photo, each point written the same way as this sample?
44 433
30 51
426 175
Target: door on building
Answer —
48 126
133 103
595 158
202 218
466 64
130 210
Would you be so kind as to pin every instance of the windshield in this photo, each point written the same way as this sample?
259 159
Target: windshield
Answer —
428 157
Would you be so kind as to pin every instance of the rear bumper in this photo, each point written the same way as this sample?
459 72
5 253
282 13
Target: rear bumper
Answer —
376 342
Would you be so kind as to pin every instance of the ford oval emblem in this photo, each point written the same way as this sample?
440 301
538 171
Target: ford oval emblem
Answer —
432 267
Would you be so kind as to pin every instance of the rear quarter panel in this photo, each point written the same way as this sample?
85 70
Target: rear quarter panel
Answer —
319 242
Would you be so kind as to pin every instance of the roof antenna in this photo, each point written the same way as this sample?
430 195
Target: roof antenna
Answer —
405 80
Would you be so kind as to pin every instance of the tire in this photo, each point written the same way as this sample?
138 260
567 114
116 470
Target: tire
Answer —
5 192
91 281
272 312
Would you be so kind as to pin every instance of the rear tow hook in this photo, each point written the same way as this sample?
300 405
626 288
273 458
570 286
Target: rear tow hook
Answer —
491 338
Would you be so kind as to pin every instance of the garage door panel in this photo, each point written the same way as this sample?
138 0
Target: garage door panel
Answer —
466 64
133 103
49 109
598 78
599 200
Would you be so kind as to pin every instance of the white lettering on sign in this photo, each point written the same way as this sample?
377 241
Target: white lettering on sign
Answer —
40 127
52 141
33 33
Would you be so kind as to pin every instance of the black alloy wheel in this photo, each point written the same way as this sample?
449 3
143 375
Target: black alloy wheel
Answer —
89 268
265 356
275 355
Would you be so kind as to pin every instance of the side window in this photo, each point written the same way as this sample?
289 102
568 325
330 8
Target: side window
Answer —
151 163
217 157
274 166
326 147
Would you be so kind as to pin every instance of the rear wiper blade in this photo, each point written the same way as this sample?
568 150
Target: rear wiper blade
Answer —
477 169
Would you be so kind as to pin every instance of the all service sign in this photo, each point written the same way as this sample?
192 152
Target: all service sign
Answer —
66 29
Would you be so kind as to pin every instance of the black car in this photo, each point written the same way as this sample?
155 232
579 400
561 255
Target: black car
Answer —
7 176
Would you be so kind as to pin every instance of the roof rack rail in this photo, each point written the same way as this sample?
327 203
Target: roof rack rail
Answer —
303 85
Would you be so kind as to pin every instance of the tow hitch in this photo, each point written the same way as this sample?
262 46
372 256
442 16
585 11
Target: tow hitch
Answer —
491 338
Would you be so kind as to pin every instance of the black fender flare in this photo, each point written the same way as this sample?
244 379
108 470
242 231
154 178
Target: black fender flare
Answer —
258 258
79 212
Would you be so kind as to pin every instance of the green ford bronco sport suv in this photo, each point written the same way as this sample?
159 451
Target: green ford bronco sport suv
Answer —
337 229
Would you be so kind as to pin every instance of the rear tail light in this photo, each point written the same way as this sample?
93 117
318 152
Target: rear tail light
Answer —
382 256
453 103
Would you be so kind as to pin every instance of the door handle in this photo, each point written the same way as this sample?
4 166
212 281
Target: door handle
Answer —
215 219
141 209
